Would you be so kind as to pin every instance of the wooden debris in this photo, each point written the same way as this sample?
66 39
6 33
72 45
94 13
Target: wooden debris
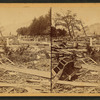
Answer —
27 71
9 61
78 83
30 89
56 78
89 90
90 67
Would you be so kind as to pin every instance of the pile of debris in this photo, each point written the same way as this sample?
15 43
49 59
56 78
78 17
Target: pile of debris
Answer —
25 69
74 70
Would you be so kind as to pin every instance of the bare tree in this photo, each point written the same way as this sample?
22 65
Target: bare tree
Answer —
70 22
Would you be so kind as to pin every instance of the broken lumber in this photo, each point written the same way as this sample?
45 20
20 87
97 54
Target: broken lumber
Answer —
27 71
92 60
28 88
91 67
78 83
56 78
9 60
46 82
78 50
89 90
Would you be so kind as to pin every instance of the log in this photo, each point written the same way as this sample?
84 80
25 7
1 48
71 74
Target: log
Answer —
27 71
78 83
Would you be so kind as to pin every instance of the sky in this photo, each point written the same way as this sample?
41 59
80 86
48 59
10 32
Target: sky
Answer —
12 18
88 15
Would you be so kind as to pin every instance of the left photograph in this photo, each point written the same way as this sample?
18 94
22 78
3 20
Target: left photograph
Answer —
25 50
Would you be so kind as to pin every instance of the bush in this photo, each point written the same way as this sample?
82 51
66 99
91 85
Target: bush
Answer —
21 55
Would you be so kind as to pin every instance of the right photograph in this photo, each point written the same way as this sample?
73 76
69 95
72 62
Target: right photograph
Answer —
75 49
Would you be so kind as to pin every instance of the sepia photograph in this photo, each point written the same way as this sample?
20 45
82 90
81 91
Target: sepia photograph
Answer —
75 47
25 50
50 49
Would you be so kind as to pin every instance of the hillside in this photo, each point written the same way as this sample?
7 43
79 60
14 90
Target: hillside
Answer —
94 29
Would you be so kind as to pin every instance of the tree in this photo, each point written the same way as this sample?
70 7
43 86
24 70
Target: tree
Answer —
61 32
57 32
22 31
39 27
69 22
